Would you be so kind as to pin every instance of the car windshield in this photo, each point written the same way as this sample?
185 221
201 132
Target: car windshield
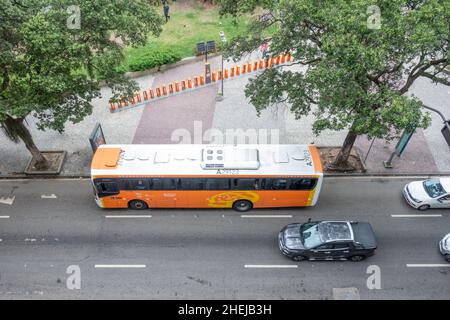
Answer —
434 188
310 235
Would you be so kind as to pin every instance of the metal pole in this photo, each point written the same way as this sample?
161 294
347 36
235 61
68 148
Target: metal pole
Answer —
222 77
368 151
388 164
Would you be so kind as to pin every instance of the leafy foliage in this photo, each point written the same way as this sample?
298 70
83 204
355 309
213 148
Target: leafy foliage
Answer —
52 70
349 75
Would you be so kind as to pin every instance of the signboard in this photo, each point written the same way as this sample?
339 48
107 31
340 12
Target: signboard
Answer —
97 138
211 46
404 139
446 132
207 73
201 48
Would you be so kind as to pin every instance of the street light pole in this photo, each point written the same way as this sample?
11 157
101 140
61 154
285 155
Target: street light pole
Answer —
224 40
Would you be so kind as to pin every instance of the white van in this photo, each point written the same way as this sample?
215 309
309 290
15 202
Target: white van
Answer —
426 194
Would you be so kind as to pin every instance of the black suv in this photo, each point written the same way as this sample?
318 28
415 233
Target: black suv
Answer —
327 240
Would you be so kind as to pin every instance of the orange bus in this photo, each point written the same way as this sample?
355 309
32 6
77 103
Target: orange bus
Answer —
241 177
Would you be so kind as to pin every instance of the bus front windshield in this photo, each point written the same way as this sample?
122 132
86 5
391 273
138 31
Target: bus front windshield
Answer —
434 188
310 235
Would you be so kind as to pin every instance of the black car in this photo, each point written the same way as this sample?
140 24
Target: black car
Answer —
327 240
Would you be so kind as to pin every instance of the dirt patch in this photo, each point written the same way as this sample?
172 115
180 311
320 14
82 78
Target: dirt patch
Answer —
55 160
328 154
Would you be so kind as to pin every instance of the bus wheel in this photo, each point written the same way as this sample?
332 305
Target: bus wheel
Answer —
138 205
242 205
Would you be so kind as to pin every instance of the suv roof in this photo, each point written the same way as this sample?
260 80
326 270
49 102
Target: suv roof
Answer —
336 230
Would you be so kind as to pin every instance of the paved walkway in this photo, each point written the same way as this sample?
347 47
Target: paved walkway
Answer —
197 117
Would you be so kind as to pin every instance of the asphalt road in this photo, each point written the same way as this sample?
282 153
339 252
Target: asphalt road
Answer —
202 254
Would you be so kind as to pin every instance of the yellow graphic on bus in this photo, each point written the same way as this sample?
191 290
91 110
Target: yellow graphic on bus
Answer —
226 199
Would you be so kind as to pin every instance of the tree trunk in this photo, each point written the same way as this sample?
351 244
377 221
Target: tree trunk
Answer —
17 128
341 162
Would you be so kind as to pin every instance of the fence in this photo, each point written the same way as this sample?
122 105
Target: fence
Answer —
197 82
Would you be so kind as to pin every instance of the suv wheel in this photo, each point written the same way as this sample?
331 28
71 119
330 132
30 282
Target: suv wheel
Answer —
138 205
299 258
424 207
447 257
357 258
242 205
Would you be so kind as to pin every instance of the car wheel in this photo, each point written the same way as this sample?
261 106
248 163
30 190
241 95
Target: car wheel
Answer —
299 258
424 207
357 258
447 257
242 205
138 205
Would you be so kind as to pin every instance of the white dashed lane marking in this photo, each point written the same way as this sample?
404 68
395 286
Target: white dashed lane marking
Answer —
266 216
416 215
127 217
120 266
428 265
52 196
4 217
268 266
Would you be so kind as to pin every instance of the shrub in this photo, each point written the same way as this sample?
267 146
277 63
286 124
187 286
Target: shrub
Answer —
152 58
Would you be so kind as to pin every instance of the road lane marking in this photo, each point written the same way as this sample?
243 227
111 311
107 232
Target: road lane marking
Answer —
429 265
7 200
120 266
52 196
4 217
266 216
127 216
416 215
261 266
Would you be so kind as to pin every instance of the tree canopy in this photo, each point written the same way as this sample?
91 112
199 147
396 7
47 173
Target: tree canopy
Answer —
358 60
54 53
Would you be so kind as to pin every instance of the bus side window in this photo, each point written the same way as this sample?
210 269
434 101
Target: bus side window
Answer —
302 184
163 184
107 188
278 184
191 184
218 184
245 184
137 184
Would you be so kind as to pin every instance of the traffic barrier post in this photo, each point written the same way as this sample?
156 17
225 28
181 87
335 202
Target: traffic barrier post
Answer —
152 94
196 82
164 90
177 86
145 95
171 88
158 92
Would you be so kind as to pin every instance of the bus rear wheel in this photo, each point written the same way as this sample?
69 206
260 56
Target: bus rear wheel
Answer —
138 205
242 205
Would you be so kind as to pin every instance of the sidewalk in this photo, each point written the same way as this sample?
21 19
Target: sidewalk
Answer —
197 112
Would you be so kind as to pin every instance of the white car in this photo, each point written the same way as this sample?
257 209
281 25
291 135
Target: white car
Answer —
444 247
426 194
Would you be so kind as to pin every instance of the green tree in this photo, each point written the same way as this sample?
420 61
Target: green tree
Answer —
354 61
54 53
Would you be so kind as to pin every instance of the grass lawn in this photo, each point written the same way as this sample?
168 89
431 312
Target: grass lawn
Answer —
190 22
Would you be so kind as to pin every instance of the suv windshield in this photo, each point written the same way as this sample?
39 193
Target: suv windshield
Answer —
310 235
434 188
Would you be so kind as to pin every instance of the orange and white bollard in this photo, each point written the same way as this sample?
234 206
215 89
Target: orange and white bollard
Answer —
189 81
255 66
277 61
145 95
170 88
164 90
120 103
202 80
238 71
152 94
183 85
288 57
231 72
133 102
272 61
225 74
112 106
126 102
195 82
244 68
283 58
266 63
138 96
158 92
177 86
219 75
261 61
249 67
213 76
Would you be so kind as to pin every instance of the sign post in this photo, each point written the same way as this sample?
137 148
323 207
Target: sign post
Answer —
400 147
97 138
